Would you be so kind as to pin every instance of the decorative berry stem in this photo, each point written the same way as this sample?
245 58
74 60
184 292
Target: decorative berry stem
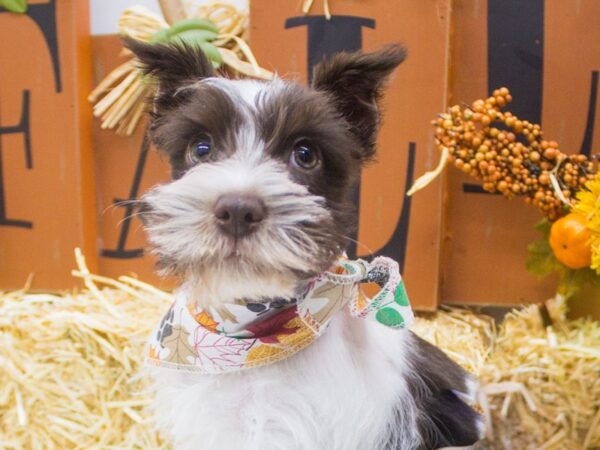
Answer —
509 155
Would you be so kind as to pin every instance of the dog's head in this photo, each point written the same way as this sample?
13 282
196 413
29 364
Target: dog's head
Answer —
263 172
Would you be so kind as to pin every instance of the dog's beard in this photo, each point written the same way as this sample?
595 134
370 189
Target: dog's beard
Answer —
296 240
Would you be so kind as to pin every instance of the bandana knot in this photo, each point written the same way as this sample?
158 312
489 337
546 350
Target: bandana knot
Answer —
253 333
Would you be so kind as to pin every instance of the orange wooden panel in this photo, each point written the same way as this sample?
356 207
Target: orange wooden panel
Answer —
417 92
124 171
47 175
486 244
571 56
487 236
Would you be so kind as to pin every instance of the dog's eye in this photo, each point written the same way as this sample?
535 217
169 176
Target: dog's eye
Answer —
305 155
199 150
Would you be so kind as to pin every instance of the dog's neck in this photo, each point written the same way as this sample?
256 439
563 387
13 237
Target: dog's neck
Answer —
213 288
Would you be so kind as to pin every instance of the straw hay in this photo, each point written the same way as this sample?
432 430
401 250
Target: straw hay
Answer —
540 387
68 366
69 363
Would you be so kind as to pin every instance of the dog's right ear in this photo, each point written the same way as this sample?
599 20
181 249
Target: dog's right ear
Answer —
171 66
355 83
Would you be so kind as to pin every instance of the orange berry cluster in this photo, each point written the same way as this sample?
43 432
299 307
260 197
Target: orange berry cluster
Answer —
509 155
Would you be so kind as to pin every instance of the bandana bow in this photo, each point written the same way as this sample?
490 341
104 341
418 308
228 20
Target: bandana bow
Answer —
249 334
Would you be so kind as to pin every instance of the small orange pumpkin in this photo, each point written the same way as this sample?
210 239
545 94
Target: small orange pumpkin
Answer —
570 241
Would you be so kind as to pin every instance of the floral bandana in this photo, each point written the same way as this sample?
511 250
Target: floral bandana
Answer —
249 334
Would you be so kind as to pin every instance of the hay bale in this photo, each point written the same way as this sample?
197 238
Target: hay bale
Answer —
68 366
540 387
69 370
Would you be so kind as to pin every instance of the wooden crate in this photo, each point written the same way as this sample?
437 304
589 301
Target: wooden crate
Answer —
46 167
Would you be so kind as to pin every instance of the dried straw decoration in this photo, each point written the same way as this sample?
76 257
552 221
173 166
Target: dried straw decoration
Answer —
69 369
119 99
540 387
69 366
307 5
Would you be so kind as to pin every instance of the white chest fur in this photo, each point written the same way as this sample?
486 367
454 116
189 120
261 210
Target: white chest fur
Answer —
346 391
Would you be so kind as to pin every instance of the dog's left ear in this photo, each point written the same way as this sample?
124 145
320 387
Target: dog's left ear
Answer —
172 66
355 82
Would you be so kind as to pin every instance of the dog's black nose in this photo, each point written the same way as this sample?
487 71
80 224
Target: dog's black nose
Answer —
239 215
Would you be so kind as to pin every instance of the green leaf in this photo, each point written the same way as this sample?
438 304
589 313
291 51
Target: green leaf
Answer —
541 261
194 37
572 281
194 24
543 226
160 37
15 6
212 53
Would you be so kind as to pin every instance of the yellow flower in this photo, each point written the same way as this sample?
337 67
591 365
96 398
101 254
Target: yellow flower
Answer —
588 205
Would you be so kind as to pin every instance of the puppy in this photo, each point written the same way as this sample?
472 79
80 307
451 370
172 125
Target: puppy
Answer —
260 202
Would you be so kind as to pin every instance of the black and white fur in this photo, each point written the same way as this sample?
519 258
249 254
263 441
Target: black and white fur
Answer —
360 386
